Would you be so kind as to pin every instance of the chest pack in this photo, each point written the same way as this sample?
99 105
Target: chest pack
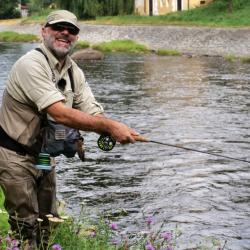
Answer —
57 138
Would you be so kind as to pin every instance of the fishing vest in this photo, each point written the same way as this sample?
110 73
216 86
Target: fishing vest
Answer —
57 138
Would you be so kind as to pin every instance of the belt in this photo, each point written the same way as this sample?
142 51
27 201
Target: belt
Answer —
7 142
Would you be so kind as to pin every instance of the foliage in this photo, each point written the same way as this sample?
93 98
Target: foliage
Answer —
8 9
85 234
10 36
164 52
3 215
231 58
245 59
36 6
75 235
36 12
89 9
81 45
121 46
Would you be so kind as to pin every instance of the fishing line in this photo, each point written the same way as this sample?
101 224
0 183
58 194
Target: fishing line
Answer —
107 143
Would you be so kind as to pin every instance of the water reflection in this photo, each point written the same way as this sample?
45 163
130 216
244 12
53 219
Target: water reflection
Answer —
201 103
9 53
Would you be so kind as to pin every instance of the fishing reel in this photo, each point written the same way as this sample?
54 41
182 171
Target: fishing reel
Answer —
106 142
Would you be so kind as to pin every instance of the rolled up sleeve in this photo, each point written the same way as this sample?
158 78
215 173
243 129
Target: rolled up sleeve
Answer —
84 99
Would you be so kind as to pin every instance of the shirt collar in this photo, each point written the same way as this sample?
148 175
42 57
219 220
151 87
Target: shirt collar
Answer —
54 61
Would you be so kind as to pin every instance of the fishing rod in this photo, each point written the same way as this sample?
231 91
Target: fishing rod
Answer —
107 143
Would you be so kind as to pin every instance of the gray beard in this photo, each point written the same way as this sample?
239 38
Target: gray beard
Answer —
59 53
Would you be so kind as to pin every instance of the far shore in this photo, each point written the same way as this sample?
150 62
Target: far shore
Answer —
186 40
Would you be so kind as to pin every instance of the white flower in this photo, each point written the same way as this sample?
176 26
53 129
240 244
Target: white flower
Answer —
64 217
56 220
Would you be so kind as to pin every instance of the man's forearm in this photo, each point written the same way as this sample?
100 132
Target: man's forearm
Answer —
78 119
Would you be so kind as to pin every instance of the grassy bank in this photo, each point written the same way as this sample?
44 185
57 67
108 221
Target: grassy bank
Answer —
10 36
128 46
215 14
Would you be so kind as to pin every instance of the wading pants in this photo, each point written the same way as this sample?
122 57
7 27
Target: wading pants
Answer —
29 194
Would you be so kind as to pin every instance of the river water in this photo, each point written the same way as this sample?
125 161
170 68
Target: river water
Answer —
199 102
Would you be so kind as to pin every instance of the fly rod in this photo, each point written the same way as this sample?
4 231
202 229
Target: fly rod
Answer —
107 143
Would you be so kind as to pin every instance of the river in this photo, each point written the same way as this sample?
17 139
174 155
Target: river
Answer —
199 102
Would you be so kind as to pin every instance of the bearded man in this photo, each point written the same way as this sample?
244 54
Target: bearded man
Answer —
45 82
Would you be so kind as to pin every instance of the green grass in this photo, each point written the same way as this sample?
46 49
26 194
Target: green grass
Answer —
127 46
10 36
71 235
231 58
165 52
215 14
4 226
245 60
81 45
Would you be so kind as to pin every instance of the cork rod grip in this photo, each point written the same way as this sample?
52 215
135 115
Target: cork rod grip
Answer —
141 138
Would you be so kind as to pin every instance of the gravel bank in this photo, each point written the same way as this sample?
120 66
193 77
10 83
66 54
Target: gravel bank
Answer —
189 40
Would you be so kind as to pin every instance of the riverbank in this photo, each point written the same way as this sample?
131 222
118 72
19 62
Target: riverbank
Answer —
186 40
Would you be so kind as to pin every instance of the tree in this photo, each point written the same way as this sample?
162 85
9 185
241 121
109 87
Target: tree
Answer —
8 9
92 8
230 6
38 5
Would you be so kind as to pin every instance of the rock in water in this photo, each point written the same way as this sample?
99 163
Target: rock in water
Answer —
87 54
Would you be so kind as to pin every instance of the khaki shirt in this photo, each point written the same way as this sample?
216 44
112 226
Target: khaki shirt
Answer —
32 87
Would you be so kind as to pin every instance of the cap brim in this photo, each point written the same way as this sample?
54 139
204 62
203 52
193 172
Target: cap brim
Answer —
63 21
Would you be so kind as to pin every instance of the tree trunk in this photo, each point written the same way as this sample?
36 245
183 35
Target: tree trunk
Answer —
230 6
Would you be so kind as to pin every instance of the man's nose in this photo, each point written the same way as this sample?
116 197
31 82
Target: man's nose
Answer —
65 31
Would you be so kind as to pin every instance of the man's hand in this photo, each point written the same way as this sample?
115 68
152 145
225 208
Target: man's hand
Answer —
122 133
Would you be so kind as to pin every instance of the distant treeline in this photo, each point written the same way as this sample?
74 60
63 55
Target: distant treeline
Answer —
92 8
84 9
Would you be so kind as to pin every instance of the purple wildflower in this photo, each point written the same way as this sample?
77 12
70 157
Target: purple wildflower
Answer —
8 239
56 247
14 243
150 220
149 246
113 226
93 233
115 242
166 236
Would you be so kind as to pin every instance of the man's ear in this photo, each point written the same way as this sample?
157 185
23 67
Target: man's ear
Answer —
43 31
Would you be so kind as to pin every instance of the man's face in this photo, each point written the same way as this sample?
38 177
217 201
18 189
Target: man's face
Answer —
60 38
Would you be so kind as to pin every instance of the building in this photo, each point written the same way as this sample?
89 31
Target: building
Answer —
161 7
24 10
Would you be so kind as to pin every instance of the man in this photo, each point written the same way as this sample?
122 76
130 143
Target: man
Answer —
32 91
